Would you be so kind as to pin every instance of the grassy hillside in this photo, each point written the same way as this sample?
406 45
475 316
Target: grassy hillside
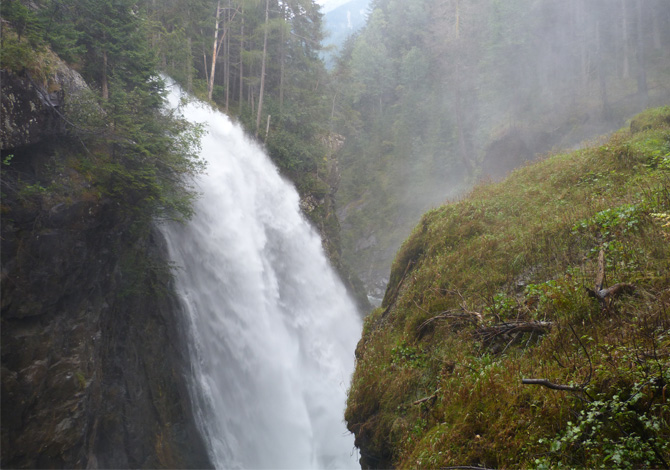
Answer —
510 283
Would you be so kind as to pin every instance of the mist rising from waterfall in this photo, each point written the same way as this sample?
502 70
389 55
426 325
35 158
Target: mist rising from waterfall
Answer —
272 331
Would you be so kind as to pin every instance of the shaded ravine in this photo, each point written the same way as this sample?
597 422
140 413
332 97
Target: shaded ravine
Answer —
272 330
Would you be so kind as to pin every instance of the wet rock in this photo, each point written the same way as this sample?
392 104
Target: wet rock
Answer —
93 360
32 112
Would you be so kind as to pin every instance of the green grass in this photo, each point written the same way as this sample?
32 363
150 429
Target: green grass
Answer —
526 249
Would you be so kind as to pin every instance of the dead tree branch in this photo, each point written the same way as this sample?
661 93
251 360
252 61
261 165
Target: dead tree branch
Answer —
605 296
539 327
551 385
428 398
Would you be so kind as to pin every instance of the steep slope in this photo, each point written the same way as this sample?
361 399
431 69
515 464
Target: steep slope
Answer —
93 363
511 283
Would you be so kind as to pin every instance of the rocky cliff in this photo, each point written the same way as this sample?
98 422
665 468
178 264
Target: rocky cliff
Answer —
93 364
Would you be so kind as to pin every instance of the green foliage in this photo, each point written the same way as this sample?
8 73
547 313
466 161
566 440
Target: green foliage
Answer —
626 427
407 355
134 151
24 21
612 223
525 250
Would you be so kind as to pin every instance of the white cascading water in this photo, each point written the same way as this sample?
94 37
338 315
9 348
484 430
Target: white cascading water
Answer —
272 330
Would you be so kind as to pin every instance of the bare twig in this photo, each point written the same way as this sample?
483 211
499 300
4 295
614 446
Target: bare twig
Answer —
428 398
551 385
466 467
540 327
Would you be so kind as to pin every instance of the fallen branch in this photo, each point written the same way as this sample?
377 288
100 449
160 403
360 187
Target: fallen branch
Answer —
465 467
551 385
539 327
449 314
616 289
604 294
428 398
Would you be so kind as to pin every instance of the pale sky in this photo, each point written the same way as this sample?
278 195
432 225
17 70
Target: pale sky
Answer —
331 4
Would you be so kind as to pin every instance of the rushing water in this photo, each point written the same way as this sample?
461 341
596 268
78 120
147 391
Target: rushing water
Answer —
272 331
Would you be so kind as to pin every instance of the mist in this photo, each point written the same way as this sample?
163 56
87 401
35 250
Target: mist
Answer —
436 96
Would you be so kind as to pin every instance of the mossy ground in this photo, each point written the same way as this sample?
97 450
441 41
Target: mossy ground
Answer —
526 250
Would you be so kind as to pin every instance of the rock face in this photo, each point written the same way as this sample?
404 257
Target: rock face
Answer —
32 112
93 361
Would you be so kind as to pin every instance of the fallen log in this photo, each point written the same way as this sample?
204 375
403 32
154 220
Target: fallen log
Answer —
551 385
425 399
540 327
603 294
450 314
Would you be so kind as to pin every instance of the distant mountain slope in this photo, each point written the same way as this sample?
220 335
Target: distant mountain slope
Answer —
341 22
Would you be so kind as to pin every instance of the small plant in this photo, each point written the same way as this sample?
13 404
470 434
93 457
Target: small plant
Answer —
31 190
613 432
404 354
503 306
611 222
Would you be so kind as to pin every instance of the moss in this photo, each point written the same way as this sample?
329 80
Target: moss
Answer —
526 249
650 119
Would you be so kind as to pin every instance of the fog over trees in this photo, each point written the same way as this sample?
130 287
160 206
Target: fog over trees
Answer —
434 95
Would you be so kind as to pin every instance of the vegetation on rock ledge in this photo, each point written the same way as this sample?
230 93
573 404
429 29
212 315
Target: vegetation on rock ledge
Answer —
494 289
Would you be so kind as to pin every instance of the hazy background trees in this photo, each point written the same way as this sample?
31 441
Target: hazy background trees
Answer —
433 95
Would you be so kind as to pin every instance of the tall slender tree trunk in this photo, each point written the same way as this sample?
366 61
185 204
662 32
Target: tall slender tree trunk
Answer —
583 53
210 84
104 84
642 89
458 19
189 65
282 61
602 78
241 63
265 51
226 57
626 41
460 123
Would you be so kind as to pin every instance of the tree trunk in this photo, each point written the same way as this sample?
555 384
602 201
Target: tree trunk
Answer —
210 84
602 77
626 41
656 30
642 89
265 51
189 66
105 84
226 58
241 63
460 123
282 60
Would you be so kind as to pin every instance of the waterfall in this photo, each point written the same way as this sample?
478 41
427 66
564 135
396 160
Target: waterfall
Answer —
271 330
